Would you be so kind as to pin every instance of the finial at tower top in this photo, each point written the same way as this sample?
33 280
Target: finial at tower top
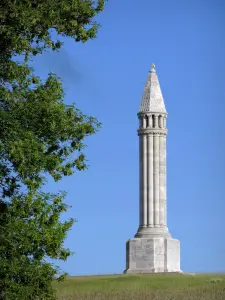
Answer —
152 68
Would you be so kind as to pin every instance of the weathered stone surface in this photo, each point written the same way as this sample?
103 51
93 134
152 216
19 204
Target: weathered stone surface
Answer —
153 255
152 99
173 255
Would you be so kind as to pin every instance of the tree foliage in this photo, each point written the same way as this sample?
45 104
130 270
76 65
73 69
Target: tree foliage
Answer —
38 131
31 231
26 26
39 136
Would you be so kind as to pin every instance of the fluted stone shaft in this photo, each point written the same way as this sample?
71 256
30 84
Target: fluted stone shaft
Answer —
165 184
152 161
145 183
150 181
156 179
162 180
141 182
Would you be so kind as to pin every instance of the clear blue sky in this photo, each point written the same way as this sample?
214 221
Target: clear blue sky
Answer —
106 77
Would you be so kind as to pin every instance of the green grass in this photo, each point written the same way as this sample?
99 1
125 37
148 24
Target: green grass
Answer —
143 287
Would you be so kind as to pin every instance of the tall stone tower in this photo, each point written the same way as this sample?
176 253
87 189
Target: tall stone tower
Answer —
152 249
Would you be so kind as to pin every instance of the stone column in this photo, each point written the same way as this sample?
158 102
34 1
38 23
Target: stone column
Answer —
150 121
145 183
160 121
156 179
150 181
162 183
141 180
164 121
165 204
144 122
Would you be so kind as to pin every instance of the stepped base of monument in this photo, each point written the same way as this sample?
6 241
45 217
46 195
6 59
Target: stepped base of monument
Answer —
153 255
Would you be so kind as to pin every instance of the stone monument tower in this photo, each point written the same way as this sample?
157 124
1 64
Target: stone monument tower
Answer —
152 249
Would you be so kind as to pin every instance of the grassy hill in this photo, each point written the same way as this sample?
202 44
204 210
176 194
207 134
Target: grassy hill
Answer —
143 287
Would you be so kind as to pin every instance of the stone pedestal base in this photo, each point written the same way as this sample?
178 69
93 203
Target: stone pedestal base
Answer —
152 255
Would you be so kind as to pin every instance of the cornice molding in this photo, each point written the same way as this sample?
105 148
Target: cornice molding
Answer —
160 132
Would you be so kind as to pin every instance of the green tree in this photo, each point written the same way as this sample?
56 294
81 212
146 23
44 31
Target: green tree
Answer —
31 232
39 136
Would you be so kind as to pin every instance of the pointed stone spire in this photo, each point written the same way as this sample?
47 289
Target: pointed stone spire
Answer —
152 99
